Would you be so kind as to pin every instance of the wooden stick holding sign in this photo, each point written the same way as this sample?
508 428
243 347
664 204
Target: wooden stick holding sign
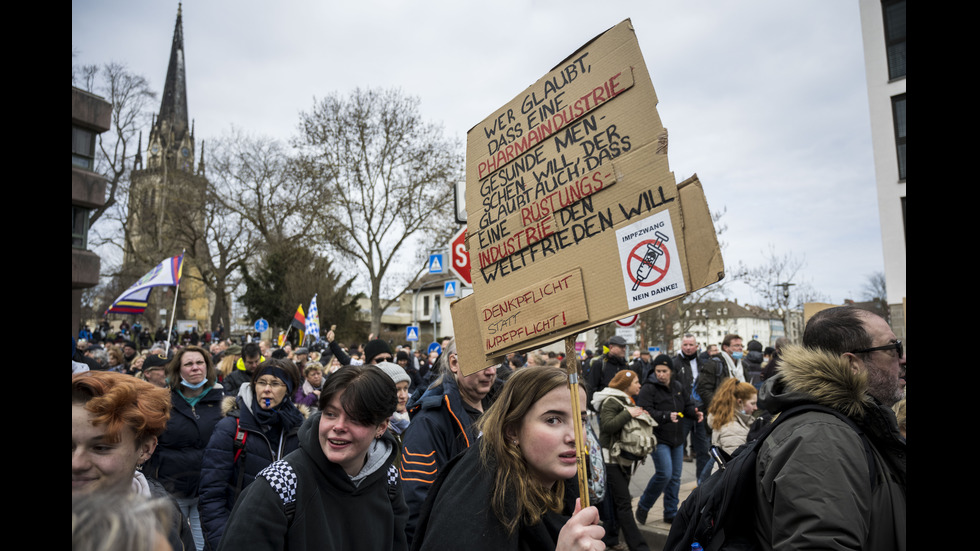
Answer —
581 446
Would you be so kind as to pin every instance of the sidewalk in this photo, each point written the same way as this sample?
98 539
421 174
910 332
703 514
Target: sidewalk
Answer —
655 530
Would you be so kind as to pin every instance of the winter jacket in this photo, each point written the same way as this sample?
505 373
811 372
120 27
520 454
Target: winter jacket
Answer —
459 514
440 429
683 373
660 400
234 381
733 434
710 376
220 472
611 365
176 463
611 404
328 511
814 489
752 364
305 396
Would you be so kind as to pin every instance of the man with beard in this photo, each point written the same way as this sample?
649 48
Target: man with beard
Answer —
442 426
821 483
615 360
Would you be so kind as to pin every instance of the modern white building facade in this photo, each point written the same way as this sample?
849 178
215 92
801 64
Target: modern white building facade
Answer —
883 29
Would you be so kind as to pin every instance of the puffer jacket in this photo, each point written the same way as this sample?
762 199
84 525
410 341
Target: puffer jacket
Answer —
176 463
221 473
660 400
813 481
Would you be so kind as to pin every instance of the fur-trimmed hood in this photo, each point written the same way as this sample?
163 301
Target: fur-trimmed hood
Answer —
600 396
807 375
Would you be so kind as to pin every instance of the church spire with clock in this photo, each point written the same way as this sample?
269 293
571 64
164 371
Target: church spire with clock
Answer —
172 137
166 198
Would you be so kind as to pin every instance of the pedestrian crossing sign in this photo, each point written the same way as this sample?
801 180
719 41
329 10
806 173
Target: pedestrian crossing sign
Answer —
450 288
412 333
435 264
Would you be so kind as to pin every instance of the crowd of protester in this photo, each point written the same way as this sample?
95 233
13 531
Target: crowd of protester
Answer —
217 445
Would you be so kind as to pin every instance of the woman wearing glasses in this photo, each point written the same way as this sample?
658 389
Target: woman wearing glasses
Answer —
260 426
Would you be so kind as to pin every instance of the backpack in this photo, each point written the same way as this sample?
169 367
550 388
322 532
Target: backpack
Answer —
720 512
636 441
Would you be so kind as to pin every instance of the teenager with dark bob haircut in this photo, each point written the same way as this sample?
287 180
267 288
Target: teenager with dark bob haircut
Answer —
367 398
340 489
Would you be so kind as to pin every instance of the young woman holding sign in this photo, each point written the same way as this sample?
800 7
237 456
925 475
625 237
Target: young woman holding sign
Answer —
509 492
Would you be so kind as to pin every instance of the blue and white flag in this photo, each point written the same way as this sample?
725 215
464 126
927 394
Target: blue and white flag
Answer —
313 321
134 300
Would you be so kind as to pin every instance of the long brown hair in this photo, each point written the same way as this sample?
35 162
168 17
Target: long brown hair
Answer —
722 408
512 480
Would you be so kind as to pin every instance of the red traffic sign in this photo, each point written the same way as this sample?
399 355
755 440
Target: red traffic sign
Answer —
628 322
460 257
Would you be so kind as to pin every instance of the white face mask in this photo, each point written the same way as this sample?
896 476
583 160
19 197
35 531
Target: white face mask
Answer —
184 382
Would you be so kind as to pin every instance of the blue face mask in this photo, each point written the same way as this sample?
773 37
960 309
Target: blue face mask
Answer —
184 382
737 355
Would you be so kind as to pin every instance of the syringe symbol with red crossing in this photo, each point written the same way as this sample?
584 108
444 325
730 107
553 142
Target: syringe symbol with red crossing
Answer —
654 251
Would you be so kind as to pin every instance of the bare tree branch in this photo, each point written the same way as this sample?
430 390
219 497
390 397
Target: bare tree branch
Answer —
391 176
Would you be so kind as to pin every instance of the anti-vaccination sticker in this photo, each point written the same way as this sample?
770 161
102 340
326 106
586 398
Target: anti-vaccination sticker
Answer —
649 260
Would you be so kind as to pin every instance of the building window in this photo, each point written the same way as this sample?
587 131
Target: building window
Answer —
79 227
82 148
894 13
898 116
425 305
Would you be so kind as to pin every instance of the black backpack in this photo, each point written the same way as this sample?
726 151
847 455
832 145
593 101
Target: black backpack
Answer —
720 513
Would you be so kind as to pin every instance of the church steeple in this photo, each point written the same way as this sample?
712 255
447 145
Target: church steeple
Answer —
171 136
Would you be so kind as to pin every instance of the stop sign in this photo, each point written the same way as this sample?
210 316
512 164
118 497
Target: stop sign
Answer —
460 257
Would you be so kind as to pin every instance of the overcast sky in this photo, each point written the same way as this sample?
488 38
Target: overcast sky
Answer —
765 100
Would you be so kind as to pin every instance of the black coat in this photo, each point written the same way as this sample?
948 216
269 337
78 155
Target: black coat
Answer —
176 463
660 400
458 515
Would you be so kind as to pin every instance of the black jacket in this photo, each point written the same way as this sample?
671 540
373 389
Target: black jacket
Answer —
683 373
327 511
458 515
176 463
660 400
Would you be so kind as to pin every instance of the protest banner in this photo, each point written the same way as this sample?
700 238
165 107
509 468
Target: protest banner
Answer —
574 218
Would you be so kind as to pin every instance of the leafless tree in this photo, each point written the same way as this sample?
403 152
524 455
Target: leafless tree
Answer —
253 177
767 279
132 100
874 287
389 175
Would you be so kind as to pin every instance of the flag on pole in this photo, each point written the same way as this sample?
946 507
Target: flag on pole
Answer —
133 301
312 321
299 322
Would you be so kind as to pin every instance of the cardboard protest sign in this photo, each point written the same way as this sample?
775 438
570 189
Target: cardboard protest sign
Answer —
569 190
